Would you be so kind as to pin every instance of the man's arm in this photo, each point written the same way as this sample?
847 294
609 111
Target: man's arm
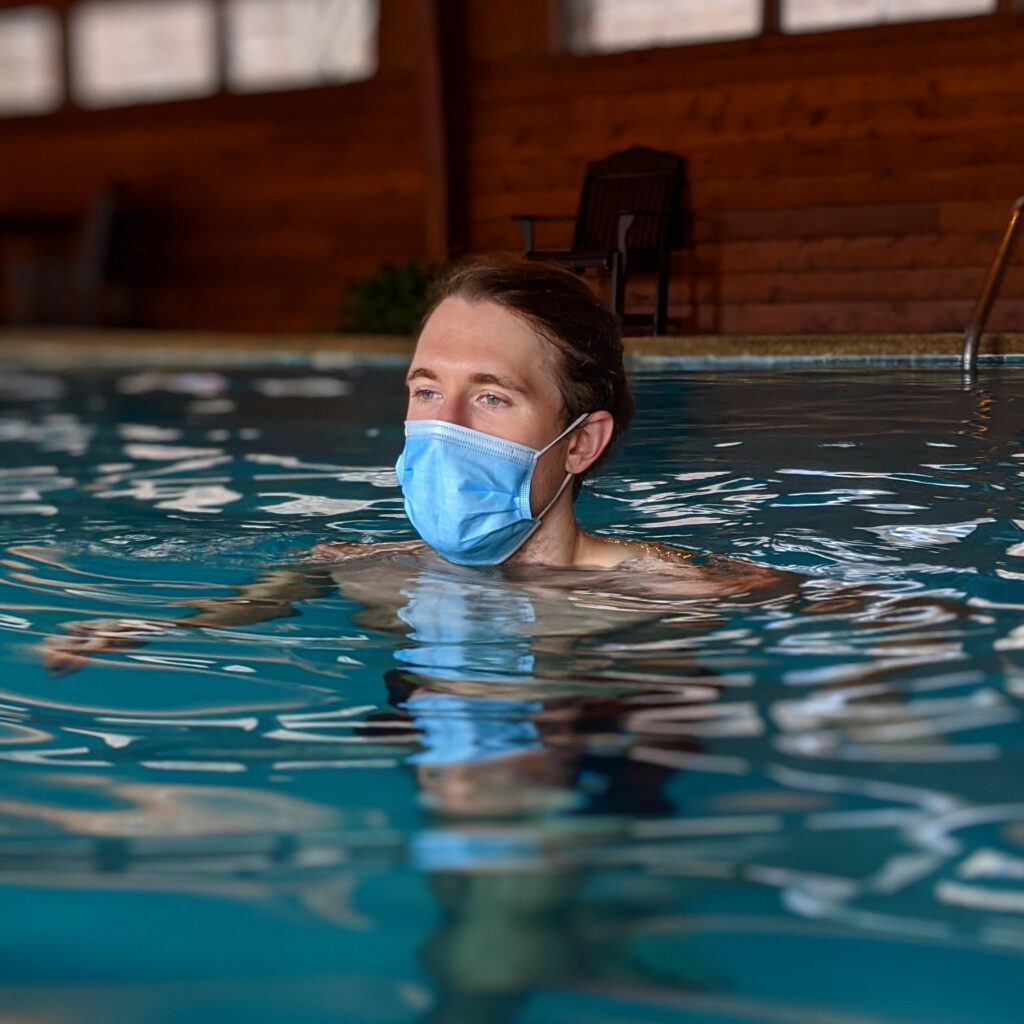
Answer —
272 596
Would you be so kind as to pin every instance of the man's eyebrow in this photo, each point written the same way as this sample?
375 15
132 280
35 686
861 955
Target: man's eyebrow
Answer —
500 382
421 371
478 378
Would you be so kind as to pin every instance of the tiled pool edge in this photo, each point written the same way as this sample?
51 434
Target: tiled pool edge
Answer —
88 349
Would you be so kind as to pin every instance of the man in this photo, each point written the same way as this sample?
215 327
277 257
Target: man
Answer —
517 391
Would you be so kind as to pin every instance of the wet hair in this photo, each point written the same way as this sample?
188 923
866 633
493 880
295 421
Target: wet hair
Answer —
561 308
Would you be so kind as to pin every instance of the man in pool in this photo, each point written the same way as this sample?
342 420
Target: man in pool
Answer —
517 391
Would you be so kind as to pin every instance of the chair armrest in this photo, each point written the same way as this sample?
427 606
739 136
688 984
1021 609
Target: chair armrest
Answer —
526 222
625 222
626 219
526 230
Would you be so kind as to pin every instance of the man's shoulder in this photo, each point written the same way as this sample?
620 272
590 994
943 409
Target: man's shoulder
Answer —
627 552
710 575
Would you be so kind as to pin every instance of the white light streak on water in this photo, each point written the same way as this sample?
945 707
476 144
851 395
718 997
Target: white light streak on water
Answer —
171 453
247 724
923 536
295 736
370 762
28 509
312 504
689 761
116 741
147 432
809 903
902 870
205 498
1000 901
229 767
987 863
320 716
937 834
885 817
66 755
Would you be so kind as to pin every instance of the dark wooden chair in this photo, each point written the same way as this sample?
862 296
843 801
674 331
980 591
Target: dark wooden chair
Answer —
86 273
630 217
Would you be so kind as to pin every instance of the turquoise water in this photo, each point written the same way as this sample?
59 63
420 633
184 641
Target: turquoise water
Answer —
240 787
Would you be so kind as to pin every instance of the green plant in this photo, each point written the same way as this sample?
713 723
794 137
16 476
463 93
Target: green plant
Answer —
392 301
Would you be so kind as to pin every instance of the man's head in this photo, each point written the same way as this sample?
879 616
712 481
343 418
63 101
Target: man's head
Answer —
576 344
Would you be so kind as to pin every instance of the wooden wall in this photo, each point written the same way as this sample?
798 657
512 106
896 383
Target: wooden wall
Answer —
263 206
845 182
853 181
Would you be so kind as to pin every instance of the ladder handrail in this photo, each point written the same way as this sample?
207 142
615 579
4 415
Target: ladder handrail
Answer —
991 288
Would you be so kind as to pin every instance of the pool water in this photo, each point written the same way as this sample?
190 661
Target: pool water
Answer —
240 786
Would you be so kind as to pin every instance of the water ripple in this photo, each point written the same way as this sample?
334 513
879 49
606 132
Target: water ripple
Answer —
190 704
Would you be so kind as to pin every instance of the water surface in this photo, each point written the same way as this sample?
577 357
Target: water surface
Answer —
237 786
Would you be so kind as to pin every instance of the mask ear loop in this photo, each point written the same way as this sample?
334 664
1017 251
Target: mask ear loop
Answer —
568 476
568 430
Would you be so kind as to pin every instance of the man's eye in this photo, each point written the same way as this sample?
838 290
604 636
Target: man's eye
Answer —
426 394
492 400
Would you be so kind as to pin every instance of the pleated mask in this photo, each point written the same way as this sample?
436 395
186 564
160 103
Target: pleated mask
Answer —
467 493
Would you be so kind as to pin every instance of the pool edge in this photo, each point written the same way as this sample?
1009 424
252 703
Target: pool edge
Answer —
60 348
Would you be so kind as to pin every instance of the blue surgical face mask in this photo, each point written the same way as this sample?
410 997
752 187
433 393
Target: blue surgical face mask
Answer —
468 493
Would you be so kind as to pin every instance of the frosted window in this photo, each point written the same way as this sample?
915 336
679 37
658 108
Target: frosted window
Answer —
815 15
30 71
138 51
601 26
283 44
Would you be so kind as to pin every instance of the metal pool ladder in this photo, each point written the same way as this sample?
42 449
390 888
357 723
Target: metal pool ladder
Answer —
989 292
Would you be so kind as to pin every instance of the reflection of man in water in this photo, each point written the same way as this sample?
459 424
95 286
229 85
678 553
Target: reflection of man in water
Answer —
488 691
495 755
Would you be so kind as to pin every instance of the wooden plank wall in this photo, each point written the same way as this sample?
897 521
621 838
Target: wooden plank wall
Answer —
846 182
263 206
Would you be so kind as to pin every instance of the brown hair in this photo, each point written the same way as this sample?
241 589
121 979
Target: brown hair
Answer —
562 309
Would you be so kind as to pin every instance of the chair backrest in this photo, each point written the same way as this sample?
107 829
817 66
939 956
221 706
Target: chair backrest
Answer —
97 235
106 267
637 179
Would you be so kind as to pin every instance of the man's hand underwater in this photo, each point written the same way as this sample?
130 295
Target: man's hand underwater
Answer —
88 637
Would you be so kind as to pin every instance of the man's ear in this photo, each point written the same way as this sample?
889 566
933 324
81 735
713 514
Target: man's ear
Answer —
588 441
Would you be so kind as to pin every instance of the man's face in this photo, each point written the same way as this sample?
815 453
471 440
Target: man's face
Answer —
478 366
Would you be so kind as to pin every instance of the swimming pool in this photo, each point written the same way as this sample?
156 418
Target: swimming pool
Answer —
407 793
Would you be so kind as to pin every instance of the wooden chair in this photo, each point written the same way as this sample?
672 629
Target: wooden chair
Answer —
86 273
630 217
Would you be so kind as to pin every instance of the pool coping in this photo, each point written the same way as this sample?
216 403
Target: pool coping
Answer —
85 348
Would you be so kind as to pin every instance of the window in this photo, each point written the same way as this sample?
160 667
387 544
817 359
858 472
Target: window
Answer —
30 61
282 44
817 15
138 51
602 26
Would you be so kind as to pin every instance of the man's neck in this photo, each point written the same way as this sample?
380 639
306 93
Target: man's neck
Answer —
560 543
556 542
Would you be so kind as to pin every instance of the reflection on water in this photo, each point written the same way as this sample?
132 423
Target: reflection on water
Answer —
242 785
